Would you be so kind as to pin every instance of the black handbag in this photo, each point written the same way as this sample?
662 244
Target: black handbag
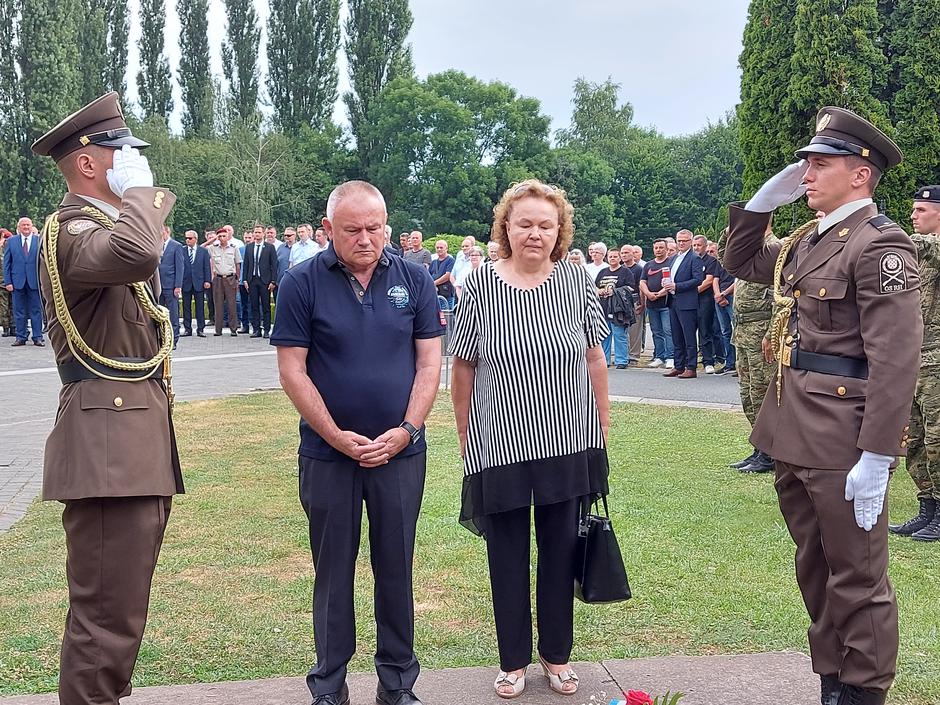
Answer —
599 574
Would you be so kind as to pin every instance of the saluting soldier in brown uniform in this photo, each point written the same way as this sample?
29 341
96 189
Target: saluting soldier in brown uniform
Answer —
848 338
111 456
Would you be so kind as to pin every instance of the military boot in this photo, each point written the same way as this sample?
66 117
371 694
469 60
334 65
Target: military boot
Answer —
928 509
761 463
931 532
746 461
830 689
853 695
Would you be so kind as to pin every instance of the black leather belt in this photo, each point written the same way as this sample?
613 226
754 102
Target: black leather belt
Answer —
74 371
828 364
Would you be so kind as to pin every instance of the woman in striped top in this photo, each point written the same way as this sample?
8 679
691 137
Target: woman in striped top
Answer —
530 398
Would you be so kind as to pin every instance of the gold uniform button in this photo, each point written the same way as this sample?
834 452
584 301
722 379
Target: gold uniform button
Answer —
118 402
841 391
906 429
904 444
790 278
161 194
796 293
789 340
822 292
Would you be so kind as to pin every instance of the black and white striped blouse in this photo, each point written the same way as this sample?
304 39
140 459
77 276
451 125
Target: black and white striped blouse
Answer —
532 398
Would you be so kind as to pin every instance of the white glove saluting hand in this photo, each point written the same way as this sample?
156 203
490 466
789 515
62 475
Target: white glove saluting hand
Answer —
780 189
129 171
867 483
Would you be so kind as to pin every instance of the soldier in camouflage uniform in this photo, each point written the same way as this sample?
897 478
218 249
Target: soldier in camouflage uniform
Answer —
753 308
923 445
6 309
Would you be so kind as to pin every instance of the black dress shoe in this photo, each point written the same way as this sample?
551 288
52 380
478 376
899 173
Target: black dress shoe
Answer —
255 335
216 334
761 463
853 695
234 333
746 461
830 688
340 697
396 697
201 334
621 367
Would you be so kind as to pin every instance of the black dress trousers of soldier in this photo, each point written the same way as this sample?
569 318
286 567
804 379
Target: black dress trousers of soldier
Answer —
332 494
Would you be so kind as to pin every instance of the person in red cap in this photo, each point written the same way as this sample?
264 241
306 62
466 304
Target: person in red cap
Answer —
847 332
111 457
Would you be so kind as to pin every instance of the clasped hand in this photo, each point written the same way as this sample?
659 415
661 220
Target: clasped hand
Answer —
372 453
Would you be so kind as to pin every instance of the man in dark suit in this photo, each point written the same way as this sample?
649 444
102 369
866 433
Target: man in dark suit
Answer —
171 280
22 279
197 279
260 273
688 273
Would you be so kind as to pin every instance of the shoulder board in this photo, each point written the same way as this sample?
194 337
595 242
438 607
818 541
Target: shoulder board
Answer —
882 222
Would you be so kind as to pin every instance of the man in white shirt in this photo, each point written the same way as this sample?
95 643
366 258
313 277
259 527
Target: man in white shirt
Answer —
304 248
597 251
462 260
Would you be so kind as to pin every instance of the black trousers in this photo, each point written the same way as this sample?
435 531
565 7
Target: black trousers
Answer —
507 549
112 544
173 306
259 300
683 338
332 494
706 329
200 297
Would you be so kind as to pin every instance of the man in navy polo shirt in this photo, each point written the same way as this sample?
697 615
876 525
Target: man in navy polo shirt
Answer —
358 355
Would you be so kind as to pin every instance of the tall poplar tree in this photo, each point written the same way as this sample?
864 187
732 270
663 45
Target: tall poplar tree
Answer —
195 74
765 78
94 63
303 38
50 89
11 118
240 57
376 51
155 93
118 29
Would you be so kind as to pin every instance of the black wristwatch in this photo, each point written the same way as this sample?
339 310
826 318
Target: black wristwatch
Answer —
415 433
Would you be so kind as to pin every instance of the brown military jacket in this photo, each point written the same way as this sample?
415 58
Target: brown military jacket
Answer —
857 296
111 438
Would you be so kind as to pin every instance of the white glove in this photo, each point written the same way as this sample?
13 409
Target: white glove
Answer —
867 483
130 170
780 189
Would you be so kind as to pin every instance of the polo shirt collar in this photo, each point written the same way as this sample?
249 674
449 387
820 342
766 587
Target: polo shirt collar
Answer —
332 261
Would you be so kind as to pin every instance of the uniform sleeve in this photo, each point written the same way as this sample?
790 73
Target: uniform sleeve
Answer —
293 314
178 266
891 326
427 322
746 255
928 248
94 256
595 323
465 337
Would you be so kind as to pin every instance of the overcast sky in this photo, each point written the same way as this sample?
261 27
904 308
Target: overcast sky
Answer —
676 60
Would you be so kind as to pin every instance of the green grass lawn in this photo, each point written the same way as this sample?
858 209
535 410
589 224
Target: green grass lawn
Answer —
709 558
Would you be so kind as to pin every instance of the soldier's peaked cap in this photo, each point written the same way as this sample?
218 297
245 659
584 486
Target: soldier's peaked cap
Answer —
841 132
930 194
100 122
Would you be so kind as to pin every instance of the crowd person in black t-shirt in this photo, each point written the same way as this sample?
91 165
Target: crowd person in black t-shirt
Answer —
723 288
657 309
637 330
706 307
616 287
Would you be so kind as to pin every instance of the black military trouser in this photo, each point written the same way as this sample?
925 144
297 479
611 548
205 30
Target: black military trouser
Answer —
332 494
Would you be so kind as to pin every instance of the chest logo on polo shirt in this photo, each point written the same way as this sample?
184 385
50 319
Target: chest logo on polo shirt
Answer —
398 297
892 276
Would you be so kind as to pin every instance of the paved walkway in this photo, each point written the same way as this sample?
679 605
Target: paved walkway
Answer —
783 678
29 389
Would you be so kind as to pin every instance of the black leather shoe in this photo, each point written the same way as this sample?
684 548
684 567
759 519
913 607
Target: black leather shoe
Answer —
621 367
234 333
830 689
746 461
216 334
853 695
761 463
396 697
186 334
255 335
341 697
928 507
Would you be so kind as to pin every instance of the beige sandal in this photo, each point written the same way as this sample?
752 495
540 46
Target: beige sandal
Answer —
511 683
564 682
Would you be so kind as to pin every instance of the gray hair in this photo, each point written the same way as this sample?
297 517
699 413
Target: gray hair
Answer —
351 188
701 237
602 246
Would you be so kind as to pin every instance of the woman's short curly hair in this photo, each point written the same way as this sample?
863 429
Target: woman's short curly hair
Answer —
538 189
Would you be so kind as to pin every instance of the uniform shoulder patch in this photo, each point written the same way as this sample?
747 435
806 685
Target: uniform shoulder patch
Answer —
892 277
882 222
78 226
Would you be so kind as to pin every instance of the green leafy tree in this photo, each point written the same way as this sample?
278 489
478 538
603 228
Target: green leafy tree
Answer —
303 38
118 29
50 89
376 51
240 58
765 80
155 93
598 122
94 62
195 75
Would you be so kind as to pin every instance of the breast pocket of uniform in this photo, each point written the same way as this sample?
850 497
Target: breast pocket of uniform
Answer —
824 304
